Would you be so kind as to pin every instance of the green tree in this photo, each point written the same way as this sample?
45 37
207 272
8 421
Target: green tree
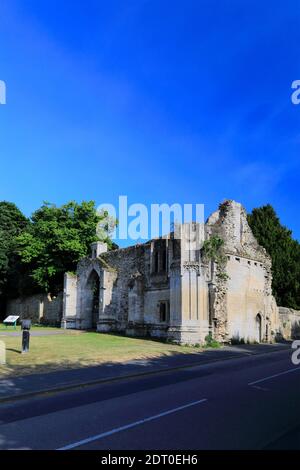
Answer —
56 239
12 223
284 251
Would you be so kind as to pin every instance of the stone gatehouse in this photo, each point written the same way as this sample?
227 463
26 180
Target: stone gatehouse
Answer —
166 288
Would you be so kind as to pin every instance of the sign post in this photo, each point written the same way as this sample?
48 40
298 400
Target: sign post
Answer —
26 325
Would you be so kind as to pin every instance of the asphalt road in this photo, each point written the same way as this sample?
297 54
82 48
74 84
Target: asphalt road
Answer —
246 403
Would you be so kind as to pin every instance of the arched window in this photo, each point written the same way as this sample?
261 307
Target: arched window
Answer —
92 299
164 259
164 315
258 324
156 262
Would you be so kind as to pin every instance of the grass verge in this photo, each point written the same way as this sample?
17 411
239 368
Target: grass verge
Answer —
76 349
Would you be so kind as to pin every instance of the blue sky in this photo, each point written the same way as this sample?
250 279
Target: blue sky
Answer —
185 102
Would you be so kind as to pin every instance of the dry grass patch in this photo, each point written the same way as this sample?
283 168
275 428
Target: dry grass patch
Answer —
76 349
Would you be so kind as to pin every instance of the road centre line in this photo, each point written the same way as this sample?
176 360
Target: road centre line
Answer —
130 425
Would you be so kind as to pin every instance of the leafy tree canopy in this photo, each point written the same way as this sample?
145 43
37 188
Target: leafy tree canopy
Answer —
12 222
284 251
56 239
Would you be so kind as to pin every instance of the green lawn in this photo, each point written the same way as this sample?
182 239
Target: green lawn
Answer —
79 349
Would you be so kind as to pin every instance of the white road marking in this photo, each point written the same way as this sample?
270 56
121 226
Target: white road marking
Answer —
263 389
274 376
131 425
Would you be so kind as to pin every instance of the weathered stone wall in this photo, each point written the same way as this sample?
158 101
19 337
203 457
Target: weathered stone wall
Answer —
133 283
218 317
230 223
137 290
152 299
165 288
244 308
246 299
26 307
40 308
189 319
289 323
69 301
130 264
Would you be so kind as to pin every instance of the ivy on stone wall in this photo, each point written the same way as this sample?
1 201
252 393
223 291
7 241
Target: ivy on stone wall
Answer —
213 250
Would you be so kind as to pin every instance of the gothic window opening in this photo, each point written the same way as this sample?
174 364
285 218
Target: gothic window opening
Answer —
156 262
164 259
258 325
164 312
160 258
92 299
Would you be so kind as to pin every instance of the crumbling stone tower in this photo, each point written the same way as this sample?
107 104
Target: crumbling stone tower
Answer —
242 306
166 288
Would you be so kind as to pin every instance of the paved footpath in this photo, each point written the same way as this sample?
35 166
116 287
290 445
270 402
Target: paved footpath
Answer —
29 385
33 333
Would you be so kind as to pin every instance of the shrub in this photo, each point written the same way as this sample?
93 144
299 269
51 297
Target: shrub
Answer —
210 342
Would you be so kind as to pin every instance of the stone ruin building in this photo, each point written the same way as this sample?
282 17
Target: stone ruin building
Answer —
167 288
